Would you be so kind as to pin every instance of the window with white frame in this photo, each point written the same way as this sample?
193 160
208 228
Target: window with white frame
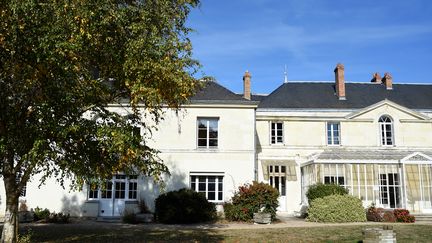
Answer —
277 178
209 185
340 180
276 132
207 132
120 187
333 133
386 130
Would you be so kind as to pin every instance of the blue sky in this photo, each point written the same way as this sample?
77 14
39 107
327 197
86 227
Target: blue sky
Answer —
310 37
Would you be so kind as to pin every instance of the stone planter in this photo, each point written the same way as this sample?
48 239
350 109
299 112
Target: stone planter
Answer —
262 218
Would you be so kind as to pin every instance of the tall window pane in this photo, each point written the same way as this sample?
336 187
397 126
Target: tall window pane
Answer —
386 130
207 132
276 133
333 133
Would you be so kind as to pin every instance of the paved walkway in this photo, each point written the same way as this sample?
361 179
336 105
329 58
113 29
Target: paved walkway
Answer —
284 221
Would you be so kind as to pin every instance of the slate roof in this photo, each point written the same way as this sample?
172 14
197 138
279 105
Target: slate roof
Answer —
214 93
367 154
358 95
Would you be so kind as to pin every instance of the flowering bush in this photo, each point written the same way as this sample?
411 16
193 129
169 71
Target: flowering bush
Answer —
389 216
403 215
249 199
375 214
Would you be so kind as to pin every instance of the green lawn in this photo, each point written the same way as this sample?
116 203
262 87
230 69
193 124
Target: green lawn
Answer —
98 232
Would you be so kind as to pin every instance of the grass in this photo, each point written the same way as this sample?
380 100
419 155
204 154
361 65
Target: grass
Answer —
106 232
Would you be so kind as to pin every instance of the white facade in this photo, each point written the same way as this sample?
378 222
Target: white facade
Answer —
381 153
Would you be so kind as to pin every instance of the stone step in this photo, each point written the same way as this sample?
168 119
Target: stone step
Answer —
423 217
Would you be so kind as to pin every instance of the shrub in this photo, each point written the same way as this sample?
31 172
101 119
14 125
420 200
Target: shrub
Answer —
58 218
129 218
184 206
41 214
320 190
249 199
375 214
403 215
389 217
336 209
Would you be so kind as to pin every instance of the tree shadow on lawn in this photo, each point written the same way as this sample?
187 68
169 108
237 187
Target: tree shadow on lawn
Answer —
115 232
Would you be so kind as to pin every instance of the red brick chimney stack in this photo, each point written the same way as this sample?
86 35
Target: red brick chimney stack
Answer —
340 81
388 81
376 78
247 85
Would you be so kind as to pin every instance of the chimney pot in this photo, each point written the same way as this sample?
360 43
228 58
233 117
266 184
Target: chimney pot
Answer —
247 85
340 81
388 81
376 78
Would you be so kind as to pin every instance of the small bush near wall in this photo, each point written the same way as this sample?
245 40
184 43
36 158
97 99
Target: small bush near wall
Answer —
320 190
183 207
41 214
403 216
336 209
375 214
249 199
389 217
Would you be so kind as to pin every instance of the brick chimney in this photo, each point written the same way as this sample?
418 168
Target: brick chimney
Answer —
388 81
340 81
247 85
376 78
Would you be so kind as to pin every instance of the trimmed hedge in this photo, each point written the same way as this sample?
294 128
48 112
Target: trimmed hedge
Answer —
336 209
184 206
249 199
320 190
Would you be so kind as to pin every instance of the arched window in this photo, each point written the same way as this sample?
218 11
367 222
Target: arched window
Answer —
386 130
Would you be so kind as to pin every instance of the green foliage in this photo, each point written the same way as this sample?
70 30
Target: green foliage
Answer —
61 64
25 238
183 207
249 199
46 216
336 209
58 218
41 214
320 190
129 218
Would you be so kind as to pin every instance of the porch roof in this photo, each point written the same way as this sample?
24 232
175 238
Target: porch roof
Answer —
338 154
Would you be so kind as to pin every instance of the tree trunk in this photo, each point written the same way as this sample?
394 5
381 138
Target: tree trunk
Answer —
10 226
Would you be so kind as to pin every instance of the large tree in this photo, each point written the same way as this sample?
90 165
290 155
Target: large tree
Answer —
62 63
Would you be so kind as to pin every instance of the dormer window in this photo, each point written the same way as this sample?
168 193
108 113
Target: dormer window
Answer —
386 130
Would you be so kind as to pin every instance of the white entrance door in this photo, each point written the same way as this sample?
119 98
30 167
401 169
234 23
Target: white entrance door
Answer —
277 179
113 196
106 200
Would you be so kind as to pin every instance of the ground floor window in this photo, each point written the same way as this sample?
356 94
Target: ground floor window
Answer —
209 185
372 183
119 187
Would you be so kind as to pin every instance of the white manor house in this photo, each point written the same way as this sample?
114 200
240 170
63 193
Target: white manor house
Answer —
373 138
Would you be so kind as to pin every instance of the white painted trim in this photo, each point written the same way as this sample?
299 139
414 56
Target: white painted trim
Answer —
389 103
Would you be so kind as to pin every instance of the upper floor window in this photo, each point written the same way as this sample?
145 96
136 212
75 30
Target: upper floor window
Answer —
208 132
333 133
276 133
386 130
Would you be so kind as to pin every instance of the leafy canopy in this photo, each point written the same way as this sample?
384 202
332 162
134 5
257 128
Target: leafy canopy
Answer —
65 64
